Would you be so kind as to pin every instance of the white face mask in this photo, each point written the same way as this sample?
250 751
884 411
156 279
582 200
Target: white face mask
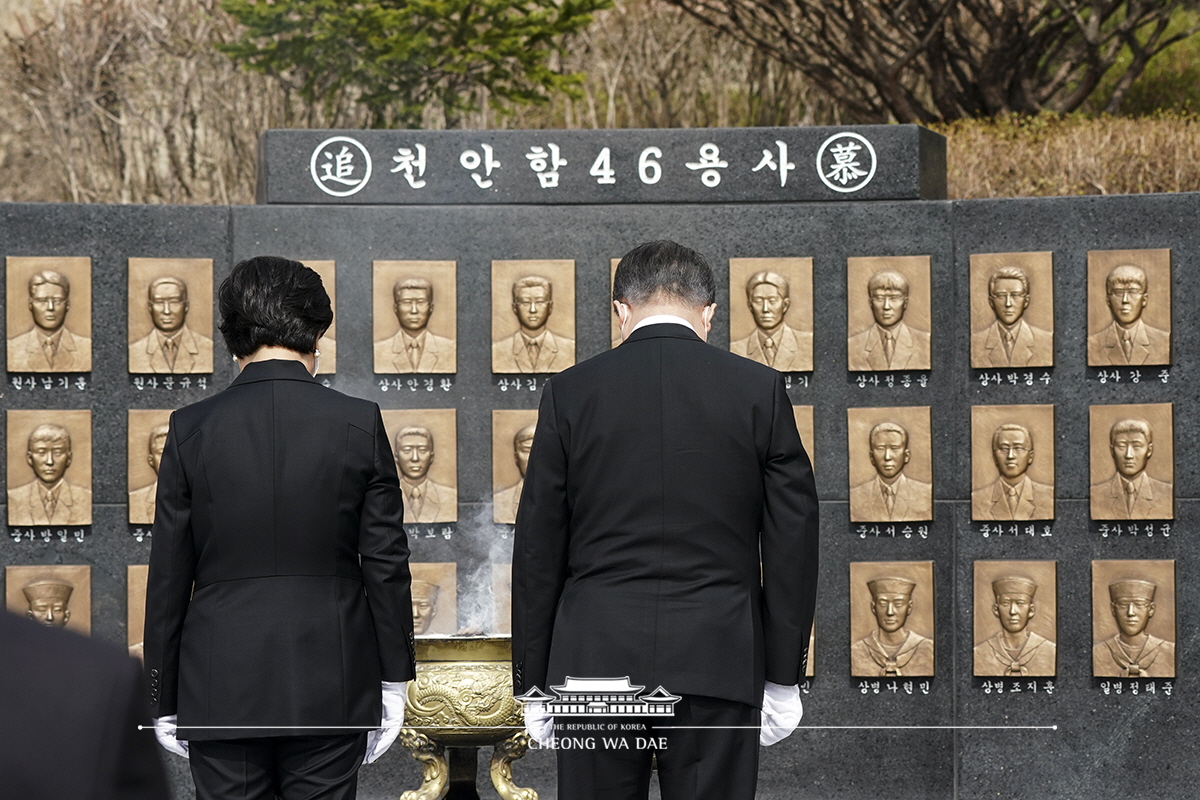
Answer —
316 362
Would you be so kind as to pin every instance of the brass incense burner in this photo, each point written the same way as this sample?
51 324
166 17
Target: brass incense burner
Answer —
462 700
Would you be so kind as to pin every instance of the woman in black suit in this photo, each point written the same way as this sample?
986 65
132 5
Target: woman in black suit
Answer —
278 599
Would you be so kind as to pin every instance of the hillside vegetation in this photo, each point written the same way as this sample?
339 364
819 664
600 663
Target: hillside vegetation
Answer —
134 101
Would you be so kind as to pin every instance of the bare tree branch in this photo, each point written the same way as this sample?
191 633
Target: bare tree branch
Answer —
928 60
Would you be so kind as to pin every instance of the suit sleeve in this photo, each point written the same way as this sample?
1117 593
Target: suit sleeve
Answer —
383 547
172 572
789 547
138 772
539 550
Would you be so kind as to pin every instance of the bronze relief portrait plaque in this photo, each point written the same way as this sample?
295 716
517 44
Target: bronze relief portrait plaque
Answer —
1012 310
1012 462
888 313
805 425
1129 308
49 467
135 581
170 315
891 619
327 344
49 314
512 439
502 598
1132 462
771 311
425 446
146 440
1133 619
434 598
415 322
533 316
1016 619
57 596
891 464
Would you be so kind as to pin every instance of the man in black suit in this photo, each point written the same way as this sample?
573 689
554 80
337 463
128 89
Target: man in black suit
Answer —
660 471
278 612
69 715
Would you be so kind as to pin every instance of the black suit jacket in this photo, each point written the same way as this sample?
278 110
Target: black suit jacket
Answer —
69 715
659 472
278 499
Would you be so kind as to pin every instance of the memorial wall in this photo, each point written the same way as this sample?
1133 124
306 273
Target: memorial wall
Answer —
998 397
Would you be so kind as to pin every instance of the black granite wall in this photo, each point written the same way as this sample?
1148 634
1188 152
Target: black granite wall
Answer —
952 735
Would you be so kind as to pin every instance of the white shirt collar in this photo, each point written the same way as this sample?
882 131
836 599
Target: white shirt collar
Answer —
660 318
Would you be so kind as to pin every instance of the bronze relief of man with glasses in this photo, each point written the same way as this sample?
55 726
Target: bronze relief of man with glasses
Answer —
1013 495
49 346
1010 341
534 347
1128 340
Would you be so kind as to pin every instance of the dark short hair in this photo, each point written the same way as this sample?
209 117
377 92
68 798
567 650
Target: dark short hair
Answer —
268 301
664 270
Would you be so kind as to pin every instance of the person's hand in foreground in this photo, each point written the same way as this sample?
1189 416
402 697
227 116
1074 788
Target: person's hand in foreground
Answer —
781 713
165 731
395 695
539 724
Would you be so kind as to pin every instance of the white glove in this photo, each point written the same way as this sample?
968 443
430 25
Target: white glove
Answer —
539 724
164 731
781 713
395 694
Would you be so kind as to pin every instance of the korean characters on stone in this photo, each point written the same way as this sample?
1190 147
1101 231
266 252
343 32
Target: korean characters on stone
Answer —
1132 462
1012 310
1129 308
147 437
49 314
415 319
1012 462
135 614
1015 619
170 315
434 598
57 596
771 311
49 467
424 444
533 316
891 464
327 344
888 313
891 619
1133 619
512 439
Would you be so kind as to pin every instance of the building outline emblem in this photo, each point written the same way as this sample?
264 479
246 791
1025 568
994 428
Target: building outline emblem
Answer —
338 166
844 173
602 697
